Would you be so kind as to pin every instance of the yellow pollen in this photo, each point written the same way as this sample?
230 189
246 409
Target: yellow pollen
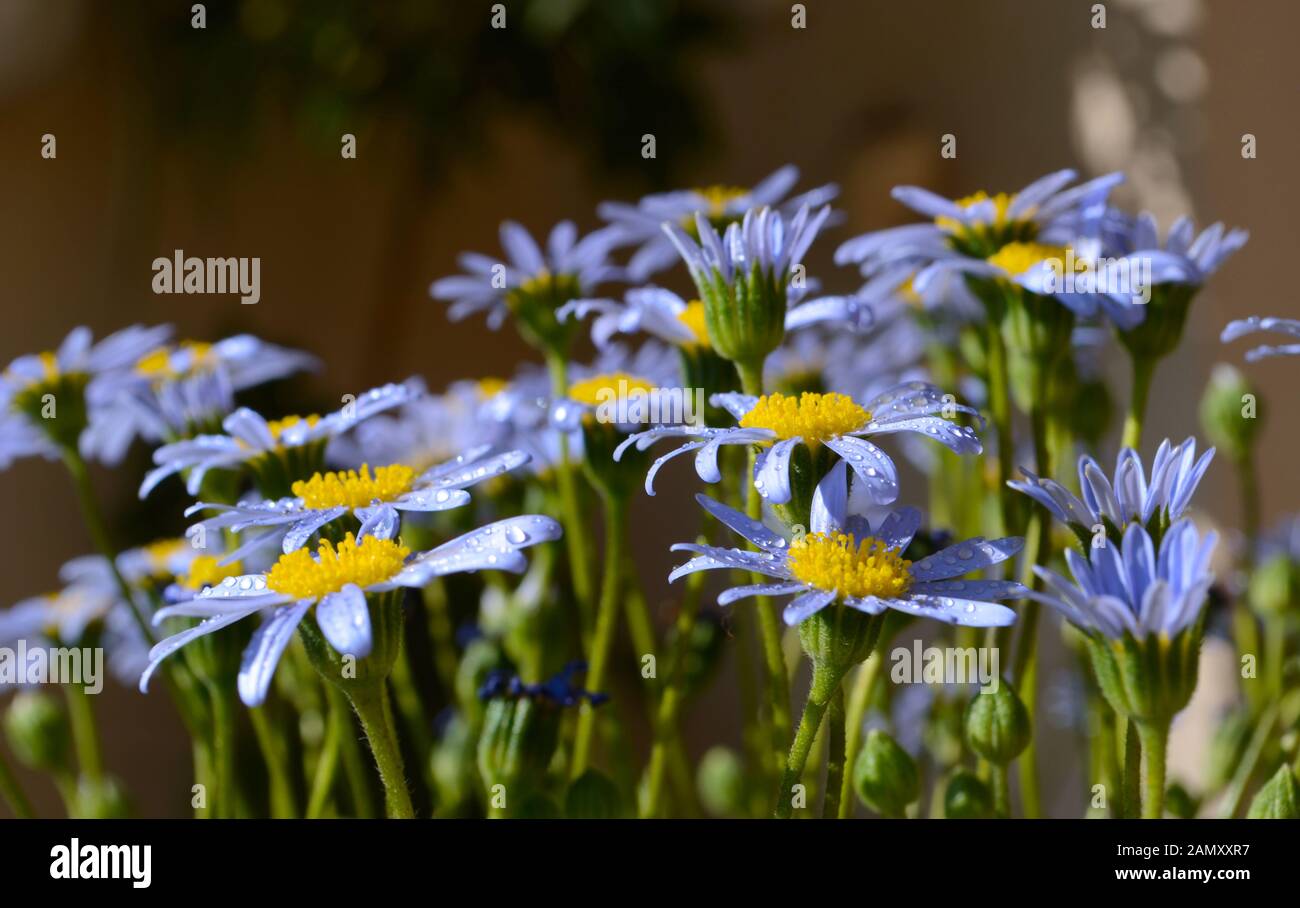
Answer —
489 388
301 576
277 426
205 571
355 489
157 364
693 318
538 282
717 197
813 417
1017 258
1001 202
49 365
159 555
602 389
835 561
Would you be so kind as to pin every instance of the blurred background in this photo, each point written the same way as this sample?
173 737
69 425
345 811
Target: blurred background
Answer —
225 141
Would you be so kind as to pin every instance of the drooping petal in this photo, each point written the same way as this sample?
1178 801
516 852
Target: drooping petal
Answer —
344 620
870 464
263 652
726 597
753 530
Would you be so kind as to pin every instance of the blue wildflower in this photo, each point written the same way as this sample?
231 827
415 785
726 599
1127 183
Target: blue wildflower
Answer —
559 690
842 559
335 583
641 224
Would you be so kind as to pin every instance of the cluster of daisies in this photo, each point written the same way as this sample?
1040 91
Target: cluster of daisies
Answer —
346 567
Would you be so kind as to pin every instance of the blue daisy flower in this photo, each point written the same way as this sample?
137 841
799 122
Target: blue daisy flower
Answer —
178 390
1242 327
1130 589
531 283
376 500
1130 259
45 406
641 224
1045 211
778 423
1131 497
842 559
249 438
334 584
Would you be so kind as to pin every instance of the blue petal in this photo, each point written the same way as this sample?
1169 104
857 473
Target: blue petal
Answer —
344 619
263 652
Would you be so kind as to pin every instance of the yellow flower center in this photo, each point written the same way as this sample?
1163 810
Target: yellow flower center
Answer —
1017 258
49 365
206 571
693 318
157 365
907 293
717 197
834 561
602 389
488 388
160 554
355 489
813 417
277 426
301 576
1001 202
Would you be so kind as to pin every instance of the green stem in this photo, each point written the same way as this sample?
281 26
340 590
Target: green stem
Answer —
223 753
283 802
371 705
666 730
1143 368
1000 782
606 618
575 531
1132 747
353 764
820 694
85 736
442 634
94 520
1249 760
835 757
864 685
12 792
769 625
1025 663
327 764
1000 411
1155 739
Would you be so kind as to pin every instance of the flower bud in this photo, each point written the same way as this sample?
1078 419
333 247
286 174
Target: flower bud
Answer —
102 800
1279 799
1229 412
967 797
997 724
592 796
517 743
1149 679
836 639
1160 331
1274 586
721 782
38 733
885 776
